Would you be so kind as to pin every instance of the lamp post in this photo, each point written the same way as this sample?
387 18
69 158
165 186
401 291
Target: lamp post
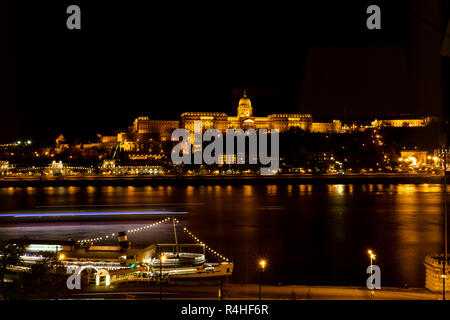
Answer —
444 152
162 259
444 275
262 267
372 257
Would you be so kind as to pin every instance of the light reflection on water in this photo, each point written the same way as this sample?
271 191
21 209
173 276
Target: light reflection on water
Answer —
310 233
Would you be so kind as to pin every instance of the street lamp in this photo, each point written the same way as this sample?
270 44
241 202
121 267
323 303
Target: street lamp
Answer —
162 259
372 257
444 152
262 266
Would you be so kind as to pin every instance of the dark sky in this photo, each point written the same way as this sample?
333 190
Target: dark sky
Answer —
161 60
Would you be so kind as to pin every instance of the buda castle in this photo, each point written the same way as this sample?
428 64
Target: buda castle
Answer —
147 136
244 119
145 130
151 139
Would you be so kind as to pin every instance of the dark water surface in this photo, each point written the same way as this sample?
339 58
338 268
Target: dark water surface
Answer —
309 234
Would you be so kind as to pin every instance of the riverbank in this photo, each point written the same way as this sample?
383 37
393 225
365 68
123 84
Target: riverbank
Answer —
99 180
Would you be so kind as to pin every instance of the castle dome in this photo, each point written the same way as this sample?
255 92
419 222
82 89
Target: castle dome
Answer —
245 102
245 107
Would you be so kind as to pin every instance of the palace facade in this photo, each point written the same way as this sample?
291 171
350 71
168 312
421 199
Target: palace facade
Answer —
244 119
146 135
402 123
147 138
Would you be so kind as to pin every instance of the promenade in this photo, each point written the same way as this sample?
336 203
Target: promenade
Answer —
250 292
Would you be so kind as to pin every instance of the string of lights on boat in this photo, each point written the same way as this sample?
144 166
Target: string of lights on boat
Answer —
147 227
209 249
130 231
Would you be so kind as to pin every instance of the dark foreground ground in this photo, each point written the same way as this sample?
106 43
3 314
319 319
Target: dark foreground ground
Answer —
248 292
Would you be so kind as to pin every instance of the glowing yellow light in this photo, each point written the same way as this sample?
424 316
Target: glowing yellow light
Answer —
61 257
262 263
413 160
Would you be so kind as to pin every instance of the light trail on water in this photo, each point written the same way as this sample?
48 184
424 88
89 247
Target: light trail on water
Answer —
111 213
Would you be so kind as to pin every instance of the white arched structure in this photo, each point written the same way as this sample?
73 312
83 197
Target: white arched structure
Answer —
99 273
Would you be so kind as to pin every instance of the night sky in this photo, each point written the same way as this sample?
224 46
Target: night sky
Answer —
160 60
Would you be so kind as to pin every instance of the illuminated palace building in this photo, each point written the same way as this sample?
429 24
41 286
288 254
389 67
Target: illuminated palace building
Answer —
244 119
149 135
146 135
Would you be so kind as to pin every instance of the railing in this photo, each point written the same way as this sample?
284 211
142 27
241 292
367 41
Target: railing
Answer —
132 278
436 259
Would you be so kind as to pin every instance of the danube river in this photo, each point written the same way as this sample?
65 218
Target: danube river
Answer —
316 234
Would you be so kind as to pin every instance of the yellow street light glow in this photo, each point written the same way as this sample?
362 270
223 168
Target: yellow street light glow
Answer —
61 257
262 263
163 258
